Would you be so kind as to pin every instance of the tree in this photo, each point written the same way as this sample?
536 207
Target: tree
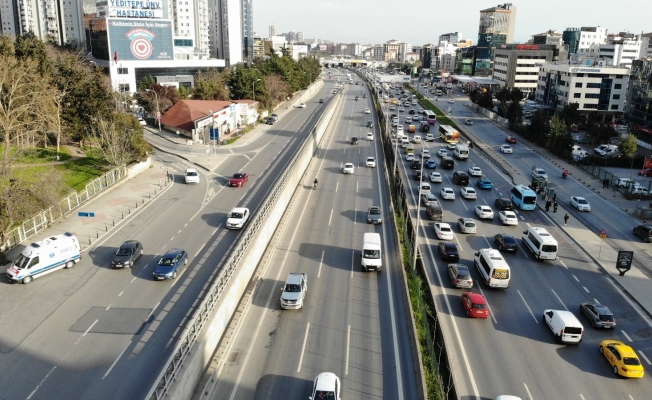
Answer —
570 114
276 87
241 83
539 126
121 139
556 132
211 85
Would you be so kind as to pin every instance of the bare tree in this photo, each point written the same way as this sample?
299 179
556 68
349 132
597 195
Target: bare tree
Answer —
115 136
276 87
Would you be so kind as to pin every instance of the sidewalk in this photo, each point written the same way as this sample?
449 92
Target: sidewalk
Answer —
113 207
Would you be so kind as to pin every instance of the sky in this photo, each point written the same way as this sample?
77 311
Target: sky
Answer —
422 21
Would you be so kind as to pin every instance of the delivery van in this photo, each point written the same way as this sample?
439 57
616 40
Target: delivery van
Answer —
461 152
45 256
541 243
371 252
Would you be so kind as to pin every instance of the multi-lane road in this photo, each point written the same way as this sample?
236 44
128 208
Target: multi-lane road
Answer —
97 333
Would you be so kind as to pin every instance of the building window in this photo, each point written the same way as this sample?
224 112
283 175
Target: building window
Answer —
591 106
578 84
591 95
123 87
123 71
614 106
577 95
593 85
618 86
616 97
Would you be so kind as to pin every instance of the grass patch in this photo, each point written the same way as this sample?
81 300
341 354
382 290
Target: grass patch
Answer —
77 173
233 140
442 118
38 155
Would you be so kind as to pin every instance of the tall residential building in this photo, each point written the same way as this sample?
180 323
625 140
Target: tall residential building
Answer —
450 38
226 30
639 94
272 31
392 46
571 37
50 20
247 30
496 28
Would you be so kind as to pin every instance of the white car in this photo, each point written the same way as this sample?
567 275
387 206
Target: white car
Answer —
443 231
639 190
399 129
435 177
508 218
302 105
410 157
475 171
367 111
425 153
469 193
326 386
348 168
447 193
408 120
416 139
427 198
142 121
237 218
192 176
392 108
452 146
442 152
505 148
420 111
401 109
466 225
539 173
580 203
370 136
451 101
484 212
371 162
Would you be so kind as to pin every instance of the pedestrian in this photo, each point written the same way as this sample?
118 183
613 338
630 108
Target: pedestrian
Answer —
548 204
566 218
554 206
554 198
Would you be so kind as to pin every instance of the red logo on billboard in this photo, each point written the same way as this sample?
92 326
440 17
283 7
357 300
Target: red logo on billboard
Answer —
141 43
527 47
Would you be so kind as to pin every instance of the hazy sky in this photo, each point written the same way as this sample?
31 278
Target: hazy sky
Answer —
422 21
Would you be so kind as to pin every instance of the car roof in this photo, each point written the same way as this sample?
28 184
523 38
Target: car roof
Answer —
326 381
450 245
483 207
476 297
240 209
191 170
172 253
509 238
129 244
602 309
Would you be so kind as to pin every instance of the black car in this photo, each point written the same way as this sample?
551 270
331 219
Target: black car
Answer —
416 175
644 232
415 164
599 315
448 251
411 111
447 163
461 178
504 204
364 96
370 124
357 97
168 266
506 242
321 100
270 121
354 140
127 254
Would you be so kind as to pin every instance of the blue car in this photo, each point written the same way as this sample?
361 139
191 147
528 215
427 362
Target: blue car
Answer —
484 183
169 264
431 164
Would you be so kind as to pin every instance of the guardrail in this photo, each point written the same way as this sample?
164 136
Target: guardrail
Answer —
241 262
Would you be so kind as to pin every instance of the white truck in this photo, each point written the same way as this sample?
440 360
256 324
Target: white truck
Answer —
371 252
45 256
294 291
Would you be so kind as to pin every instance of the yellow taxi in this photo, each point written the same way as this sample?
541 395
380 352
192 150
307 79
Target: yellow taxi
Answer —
412 128
386 100
623 359
394 101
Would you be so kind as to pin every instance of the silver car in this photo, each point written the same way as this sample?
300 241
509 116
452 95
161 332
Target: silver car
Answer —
460 276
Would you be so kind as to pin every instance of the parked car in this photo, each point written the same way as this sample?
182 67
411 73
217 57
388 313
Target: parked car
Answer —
644 232
468 121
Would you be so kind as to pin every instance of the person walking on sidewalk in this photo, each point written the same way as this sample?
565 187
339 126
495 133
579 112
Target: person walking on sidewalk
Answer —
554 206
548 204
566 218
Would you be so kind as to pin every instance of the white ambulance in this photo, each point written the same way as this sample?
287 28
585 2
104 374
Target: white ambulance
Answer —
49 255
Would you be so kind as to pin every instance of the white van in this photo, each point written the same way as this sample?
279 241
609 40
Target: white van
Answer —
461 152
405 143
493 268
416 139
565 325
45 256
541 243
425 188
371 252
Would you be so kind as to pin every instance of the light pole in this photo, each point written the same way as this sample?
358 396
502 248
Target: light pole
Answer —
158 110
253 89
416 231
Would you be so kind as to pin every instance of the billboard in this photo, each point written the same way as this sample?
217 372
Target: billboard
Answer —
133 9
140 39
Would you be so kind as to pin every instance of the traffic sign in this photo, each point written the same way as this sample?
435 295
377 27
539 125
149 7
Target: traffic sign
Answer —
85 214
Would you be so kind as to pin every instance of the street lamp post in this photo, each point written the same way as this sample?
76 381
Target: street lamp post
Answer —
158 110
416 231
253 89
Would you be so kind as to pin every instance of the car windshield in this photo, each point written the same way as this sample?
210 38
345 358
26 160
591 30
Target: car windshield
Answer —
191 173
631 361
22 262
371 253
292 288
167 261
582 201
238 176
480 306
123 252
374 211
236 215
549 248
509 240
324 395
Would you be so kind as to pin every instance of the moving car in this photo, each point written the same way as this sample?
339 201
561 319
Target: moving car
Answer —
238 179
443 231
599 315
415 164
644 232
468 193
447 193
302 105
321 100
505 148
475 305
442 152
508 217
191 176
435 177
371 162
168 265
580 203
410 157
503 204
237 218
622 358
448 251
475 171
370 124
425 153
431 164
460 276
142 121
645 172
270 121
505 242
354 140
294 291
326 386
374 215
370 136
468 121
484 183
367 111
460 178
127 254
427 198
348 168
451 101
466 225
484 212
511 139
539 173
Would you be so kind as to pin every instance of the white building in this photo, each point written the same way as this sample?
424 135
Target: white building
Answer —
49 20
447 63
594 89
226 21
517 65
298 51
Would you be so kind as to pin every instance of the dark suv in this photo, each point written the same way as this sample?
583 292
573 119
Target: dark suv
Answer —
644 232
415 164
461 178
447 163
504 204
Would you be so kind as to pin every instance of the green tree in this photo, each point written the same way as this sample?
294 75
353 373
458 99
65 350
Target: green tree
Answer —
557 130
241 81
629 146
211 85
539 127
570 114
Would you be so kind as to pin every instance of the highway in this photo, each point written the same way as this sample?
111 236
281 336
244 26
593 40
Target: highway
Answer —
353 323
514 352
97 333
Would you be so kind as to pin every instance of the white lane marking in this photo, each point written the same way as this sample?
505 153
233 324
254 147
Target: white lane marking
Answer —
107 309
528 307
337 185
488 306
116 360
352 262
90 327
303 347
574 277
355 216
644 357
172 238
357 185
179 231
564 265
331 217
121 293
348 345
321 262
152 312
41 383
626 335
582 397
529 395
558 298
587 290
596 300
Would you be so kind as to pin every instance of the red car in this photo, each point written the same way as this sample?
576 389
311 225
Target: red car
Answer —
239 179
475 305
511 139
645 172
